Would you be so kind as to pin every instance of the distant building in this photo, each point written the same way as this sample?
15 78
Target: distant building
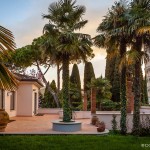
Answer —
147 70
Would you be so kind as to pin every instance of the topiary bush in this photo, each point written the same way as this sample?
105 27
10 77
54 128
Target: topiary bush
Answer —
109 105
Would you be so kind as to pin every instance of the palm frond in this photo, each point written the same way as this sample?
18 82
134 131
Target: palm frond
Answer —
7 79
131 57
143 30
80 25
6 39
99 40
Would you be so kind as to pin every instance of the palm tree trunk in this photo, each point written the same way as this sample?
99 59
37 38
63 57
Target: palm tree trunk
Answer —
123 90
58 78
66 99
137 89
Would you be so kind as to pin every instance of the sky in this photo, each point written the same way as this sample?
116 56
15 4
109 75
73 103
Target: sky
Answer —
24 19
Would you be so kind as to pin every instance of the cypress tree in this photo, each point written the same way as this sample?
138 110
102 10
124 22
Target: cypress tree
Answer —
48 100
75 88
116 82
88 75
109 70
112 74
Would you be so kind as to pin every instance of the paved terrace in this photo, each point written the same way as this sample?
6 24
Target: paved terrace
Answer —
43 125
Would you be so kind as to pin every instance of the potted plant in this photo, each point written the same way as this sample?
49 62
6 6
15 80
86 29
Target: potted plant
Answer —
101 127
94 120
4 119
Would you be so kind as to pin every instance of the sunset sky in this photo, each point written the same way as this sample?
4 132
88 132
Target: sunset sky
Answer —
24 19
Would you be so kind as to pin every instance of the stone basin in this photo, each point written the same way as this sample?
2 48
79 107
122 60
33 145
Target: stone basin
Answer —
72 126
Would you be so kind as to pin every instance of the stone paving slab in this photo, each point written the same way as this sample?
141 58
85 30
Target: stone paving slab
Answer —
42 125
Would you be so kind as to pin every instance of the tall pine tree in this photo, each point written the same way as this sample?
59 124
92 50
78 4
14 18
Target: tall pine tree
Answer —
116 82
88 75
48 100
75 88
112 74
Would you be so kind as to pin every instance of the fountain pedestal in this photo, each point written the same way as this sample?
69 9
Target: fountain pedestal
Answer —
61 126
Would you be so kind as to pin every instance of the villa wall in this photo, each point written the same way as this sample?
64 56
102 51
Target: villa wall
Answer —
7 95
24 102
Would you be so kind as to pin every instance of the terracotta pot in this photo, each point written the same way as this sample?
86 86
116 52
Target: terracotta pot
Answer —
94 120
97 123
4 119
101 127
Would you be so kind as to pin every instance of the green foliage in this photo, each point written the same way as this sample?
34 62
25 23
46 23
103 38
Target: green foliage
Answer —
103 90
123 102
23 56
116 82
7 45
113 75
114 124
48 101
30 54
88 75
75 76
72 142
109 70
109 105
64 19
75 89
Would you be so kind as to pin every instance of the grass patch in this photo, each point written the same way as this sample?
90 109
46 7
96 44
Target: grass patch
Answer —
73 142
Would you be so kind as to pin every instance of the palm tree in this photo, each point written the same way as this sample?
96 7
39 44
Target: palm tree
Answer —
139 19
7 80
49 46
64 18
113 29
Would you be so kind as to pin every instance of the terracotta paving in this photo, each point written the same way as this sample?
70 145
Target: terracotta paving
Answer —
43 125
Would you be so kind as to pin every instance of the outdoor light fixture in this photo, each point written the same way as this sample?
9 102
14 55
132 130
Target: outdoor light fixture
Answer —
9 93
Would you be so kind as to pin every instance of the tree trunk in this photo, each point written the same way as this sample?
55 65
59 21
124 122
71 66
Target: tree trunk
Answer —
58 78
137 88
66 99
49 88
123 90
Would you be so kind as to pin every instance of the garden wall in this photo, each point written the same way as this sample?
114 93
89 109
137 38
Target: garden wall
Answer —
107 118
145 109
49 110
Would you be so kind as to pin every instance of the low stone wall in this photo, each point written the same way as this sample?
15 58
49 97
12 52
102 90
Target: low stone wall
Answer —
49 110
145 109
107 118
78 115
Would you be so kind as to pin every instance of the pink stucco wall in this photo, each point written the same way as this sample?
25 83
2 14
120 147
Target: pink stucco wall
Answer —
11 113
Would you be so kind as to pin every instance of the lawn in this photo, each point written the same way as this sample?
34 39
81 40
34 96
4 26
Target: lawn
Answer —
73 142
